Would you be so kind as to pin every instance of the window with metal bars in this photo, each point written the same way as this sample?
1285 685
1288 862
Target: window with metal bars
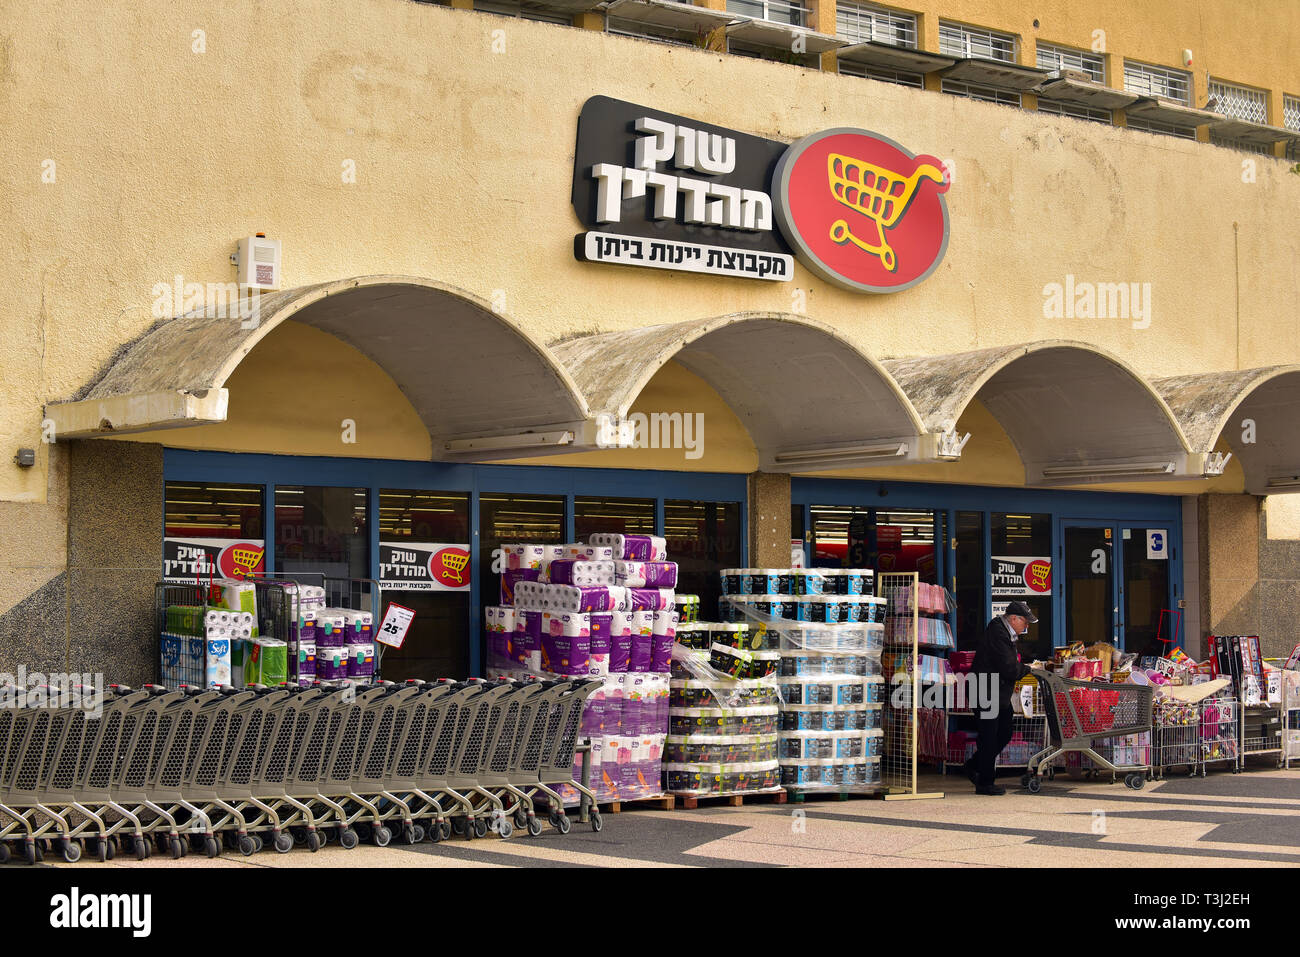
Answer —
1147 80
1241 145
861 22
885 76
1052 57
650 31
974 91
1155 126
1075 110
777 11
1291 112
507 9
957 39
1239 102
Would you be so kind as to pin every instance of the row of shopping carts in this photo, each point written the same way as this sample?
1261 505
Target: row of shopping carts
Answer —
193 768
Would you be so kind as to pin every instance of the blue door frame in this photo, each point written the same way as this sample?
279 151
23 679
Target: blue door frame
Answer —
1119 510
184 465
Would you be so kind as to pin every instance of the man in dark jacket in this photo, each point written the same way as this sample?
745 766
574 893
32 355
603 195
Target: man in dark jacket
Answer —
998 664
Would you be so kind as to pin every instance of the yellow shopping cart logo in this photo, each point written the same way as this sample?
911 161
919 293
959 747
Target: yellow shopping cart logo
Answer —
882 196
453 564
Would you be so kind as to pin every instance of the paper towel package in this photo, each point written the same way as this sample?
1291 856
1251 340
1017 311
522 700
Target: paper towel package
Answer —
571 598
663 633
217 662
570 571
565 643
652 599
644 548
361 661
239 596
646 574
527 648
588 553
331 662
330 630
601 623
642 652
511 578
306 652
268 662
523 557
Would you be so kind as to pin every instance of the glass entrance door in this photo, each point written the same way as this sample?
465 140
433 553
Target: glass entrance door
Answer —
1150 625
1091 612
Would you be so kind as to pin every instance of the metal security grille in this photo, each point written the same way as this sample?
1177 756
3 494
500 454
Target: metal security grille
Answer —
1052 57
778 11
956 39
885 76
1076 111
1241 145
1168 129
1291 112
861 22
1239 102
975 92
516 10
649 31
1147 80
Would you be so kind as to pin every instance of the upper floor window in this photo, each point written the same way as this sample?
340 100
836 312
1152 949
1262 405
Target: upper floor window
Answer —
959 40
1239 102
1291 112
885 76
1051 57
777 11
861 22
1147 80
1078 111
1155 126
975 91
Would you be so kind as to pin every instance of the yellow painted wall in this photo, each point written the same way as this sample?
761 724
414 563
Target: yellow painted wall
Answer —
726 444
463 160
292 393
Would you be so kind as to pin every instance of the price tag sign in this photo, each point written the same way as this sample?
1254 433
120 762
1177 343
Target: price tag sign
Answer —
397 620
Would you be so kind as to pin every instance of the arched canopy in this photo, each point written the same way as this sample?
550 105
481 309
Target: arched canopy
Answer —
1075 413
1255 411
468 372
809 398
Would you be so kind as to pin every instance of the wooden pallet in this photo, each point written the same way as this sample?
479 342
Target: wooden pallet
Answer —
799 797
659 802
691 801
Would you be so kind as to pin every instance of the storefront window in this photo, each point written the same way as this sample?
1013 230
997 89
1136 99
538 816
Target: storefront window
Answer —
887 540
416 530
1150 625
970 573
703 537
321 529
624 516
1026 540
507 519
212 531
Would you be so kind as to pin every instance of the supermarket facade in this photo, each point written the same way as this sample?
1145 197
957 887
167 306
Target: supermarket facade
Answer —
524 280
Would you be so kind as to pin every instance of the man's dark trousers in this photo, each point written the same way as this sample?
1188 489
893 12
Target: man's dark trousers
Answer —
994 735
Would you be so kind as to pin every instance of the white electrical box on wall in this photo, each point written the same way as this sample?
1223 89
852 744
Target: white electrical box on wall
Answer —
259 262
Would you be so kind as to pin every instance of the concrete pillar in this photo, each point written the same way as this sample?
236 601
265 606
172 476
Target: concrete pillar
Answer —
769 520
1229 562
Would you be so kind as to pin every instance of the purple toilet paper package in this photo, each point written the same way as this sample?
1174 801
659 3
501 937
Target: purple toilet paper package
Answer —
510 577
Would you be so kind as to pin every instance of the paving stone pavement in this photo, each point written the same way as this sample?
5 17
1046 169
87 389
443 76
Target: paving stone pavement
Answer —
1225 820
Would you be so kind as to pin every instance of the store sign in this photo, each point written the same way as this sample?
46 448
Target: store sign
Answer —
190 559
1019 577
423 567
664 191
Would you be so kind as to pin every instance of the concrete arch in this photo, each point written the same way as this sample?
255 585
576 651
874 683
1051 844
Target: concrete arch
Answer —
1076 414
810 398
467 371
1253 411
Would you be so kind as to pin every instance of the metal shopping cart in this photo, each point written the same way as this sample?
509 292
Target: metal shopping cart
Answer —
879 194
1081 714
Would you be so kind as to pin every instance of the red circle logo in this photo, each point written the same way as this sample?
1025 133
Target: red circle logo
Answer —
241 560
1038 576
861 211
450 567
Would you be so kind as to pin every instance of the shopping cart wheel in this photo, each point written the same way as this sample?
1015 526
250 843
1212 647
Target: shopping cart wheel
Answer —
313 841
417 834
31 853
505 828
534 826
458 826
382 836
258 843
1024 780
349 838
4 853
596 821
283 843
101 850
71 850
141 848
177 848
1035 785
444 830
1134 781
562 823
521 819
480 827
364 831
300 836
247 846
211 847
